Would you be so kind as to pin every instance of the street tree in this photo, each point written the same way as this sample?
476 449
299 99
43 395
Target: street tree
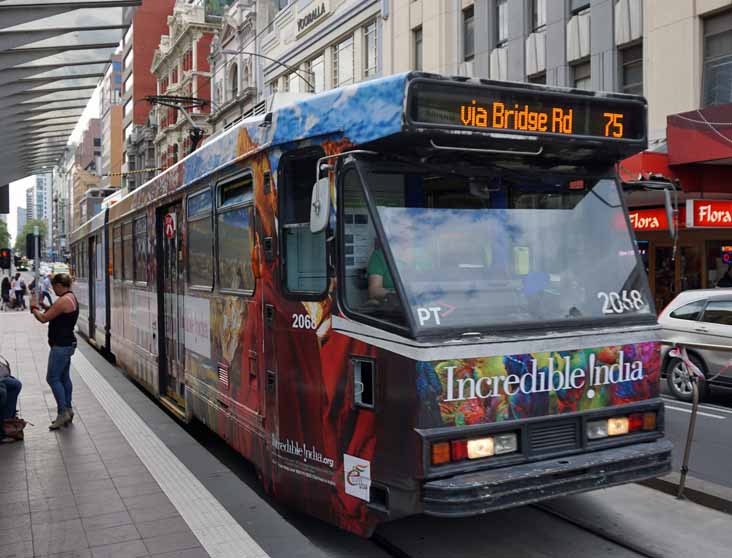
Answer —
4 235
28 229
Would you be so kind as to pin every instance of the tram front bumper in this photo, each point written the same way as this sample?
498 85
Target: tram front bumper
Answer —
495 489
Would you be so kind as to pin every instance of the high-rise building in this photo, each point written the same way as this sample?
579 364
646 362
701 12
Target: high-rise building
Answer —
147 25
20 222
29 204
110 116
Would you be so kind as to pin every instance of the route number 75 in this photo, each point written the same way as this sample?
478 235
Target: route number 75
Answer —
614 124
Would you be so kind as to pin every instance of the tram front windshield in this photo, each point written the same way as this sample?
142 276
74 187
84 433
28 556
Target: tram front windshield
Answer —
488 249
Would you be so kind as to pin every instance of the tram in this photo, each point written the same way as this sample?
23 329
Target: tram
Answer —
416 294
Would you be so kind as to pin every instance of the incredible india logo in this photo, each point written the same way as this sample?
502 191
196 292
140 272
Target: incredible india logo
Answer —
490 389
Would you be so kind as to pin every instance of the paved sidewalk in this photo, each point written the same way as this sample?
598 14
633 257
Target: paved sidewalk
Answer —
81 491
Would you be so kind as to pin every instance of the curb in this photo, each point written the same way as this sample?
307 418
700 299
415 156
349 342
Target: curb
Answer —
704 493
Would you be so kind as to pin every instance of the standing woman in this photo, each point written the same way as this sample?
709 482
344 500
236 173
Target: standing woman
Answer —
61 317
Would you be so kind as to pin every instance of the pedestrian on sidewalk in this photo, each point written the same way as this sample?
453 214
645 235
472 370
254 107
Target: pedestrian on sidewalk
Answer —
61 317
5 293
20 289
46 288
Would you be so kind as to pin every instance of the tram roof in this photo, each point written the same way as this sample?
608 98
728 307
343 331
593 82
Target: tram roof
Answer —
361 113
53 53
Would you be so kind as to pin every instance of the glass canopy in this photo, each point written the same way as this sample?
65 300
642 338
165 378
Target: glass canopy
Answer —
52 56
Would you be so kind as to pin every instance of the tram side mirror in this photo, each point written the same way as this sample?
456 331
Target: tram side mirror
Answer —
320 205
669 213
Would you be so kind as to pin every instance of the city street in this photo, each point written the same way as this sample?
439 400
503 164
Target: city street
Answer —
712 448
93 454
364 278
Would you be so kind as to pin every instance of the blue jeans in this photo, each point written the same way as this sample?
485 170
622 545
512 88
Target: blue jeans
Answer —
58 376
13 387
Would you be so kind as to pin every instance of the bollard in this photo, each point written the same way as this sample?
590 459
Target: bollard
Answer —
694 375
689 436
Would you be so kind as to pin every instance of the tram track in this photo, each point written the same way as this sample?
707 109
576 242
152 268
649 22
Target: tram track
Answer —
597 531
395 551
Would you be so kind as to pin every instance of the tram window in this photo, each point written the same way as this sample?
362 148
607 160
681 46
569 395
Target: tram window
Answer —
200 240
117 253
84 260
234 238
140 262
364 257
127 251
304 257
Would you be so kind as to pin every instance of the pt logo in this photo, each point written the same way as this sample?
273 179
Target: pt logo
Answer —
357 476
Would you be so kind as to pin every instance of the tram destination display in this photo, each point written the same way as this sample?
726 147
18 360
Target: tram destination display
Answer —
524 110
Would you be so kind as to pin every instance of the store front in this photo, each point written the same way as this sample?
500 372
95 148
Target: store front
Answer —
699 158
702 253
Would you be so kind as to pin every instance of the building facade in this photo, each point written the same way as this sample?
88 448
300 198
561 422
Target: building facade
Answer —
148 23
89 150
62 191
110 115
181 67
20 223
318 45
235 91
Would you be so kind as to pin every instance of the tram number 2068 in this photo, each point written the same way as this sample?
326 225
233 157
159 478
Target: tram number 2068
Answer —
303 321
617 303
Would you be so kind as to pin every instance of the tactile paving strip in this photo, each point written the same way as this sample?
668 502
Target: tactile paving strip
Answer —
217 531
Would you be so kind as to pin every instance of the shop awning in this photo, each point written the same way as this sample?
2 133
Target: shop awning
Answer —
700 136
53 54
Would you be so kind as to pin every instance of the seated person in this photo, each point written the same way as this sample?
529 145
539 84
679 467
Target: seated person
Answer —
11 388
380 283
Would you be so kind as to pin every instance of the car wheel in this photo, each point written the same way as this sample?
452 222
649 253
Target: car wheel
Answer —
679 382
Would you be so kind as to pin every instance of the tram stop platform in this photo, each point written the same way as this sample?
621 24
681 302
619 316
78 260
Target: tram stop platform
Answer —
126 480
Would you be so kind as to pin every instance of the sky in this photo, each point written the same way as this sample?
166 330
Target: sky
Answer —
18 188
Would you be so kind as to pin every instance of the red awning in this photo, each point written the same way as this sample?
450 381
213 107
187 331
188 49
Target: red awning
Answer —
700 136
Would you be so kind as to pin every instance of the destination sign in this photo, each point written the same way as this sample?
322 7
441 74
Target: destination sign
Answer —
508 109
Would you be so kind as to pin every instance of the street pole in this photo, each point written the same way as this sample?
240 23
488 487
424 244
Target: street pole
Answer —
37 253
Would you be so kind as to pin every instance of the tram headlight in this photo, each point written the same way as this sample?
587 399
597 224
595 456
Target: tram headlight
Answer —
481 447
506 443
619 426
597 429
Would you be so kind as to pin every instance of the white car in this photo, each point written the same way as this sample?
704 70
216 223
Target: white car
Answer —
45 269
704 318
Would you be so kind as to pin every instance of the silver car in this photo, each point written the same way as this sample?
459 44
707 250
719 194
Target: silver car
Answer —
703 318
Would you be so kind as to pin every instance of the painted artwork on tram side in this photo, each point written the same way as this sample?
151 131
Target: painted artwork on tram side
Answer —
493 389
304 442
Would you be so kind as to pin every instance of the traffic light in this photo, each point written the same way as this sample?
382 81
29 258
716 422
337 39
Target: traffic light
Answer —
30 245
4 258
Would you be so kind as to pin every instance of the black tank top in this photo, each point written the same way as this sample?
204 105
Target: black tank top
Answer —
61 328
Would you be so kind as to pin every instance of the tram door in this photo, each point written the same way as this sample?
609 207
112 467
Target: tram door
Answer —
92 263
170 304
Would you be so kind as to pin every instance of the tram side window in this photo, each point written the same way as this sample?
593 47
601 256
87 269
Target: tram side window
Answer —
84 260
364 256
304 257
234 239
127 251
200 240
117 252
140 262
